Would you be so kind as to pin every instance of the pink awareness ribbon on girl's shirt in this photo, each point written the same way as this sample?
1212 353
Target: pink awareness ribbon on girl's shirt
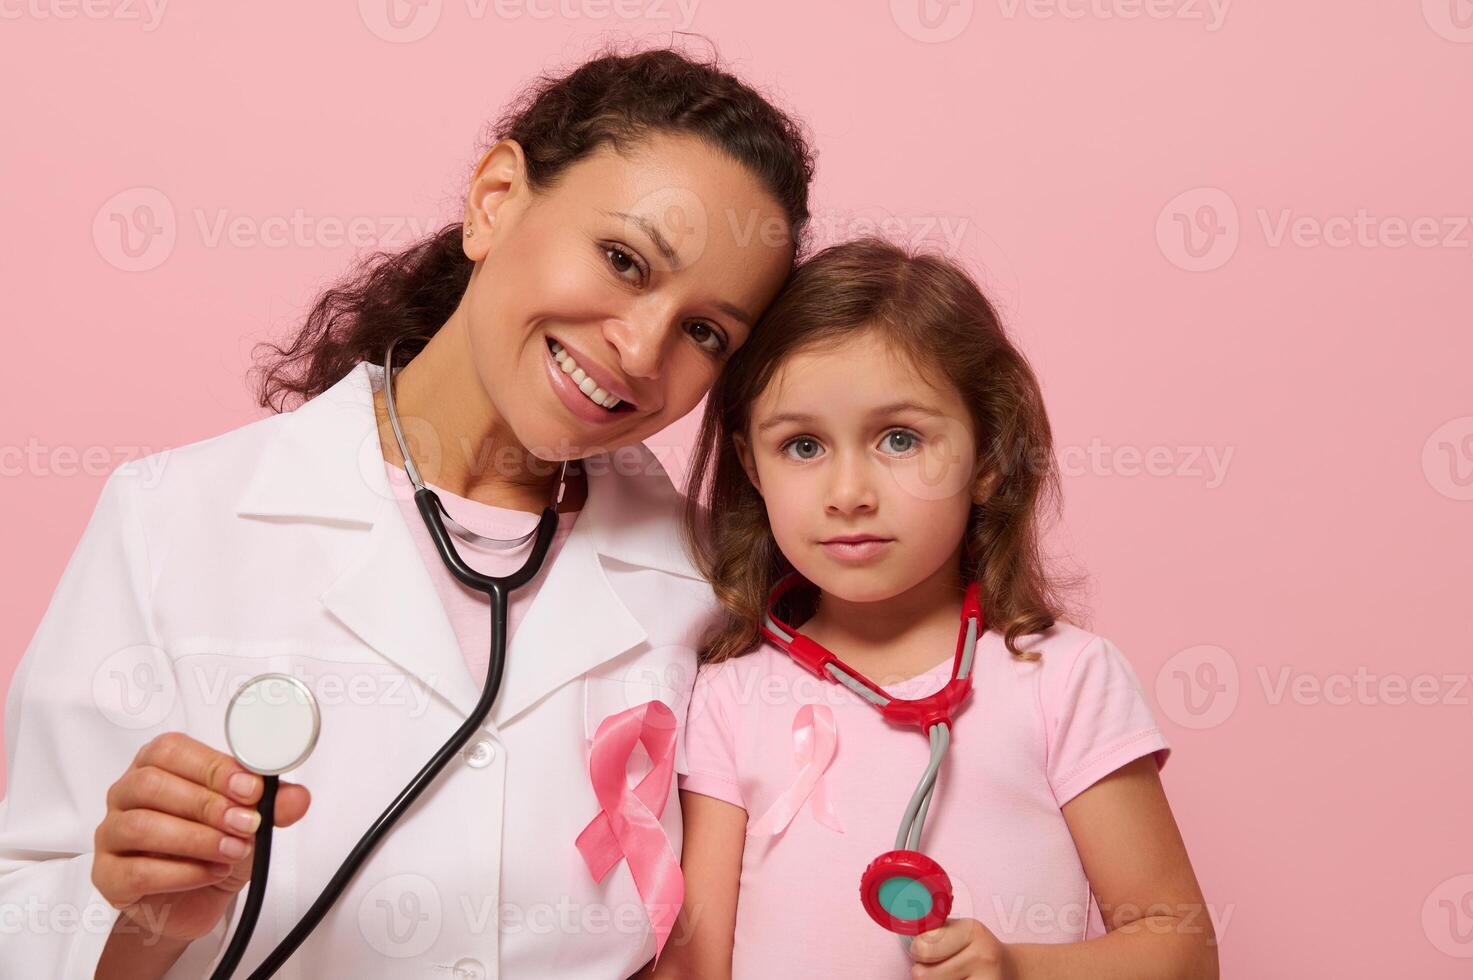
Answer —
815 738
627 825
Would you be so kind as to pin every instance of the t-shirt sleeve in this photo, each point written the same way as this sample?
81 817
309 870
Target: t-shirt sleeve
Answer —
710 737
1098 718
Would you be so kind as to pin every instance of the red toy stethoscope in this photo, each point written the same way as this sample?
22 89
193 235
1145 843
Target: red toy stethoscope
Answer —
903 890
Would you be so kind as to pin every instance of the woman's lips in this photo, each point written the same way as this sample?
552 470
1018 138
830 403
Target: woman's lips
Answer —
856 551
569 394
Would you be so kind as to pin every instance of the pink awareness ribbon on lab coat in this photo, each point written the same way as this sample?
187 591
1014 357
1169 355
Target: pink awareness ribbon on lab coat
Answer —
815 737
627 825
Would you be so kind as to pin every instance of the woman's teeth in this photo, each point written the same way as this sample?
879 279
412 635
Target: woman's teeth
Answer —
585 384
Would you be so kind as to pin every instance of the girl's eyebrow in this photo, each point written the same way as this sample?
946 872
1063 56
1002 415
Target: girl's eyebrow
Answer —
781 417
894 408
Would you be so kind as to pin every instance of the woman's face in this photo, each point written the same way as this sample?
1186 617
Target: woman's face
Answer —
646 269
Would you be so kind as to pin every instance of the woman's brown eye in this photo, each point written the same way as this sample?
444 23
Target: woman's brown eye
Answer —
620 259
708 337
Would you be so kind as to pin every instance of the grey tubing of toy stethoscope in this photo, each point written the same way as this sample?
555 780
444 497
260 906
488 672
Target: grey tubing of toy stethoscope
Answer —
498 589
909 836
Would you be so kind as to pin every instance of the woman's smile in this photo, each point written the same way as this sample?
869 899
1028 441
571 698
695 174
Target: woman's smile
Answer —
578 390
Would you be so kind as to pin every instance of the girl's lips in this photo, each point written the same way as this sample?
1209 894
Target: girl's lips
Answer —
569 394
855 552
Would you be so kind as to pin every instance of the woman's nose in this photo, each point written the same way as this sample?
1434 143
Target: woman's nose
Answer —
640 343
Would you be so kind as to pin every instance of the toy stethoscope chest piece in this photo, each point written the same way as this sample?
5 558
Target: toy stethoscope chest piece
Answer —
903 890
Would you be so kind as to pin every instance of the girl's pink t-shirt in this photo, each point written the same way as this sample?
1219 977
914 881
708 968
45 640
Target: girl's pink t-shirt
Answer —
1031 737
469 610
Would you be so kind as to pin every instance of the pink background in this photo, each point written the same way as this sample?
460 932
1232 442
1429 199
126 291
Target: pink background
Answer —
1067 148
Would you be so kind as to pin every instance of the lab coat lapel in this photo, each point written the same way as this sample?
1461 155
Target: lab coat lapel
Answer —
386 596
576 620
326 464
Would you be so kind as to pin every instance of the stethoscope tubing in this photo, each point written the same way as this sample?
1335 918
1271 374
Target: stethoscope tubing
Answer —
498 589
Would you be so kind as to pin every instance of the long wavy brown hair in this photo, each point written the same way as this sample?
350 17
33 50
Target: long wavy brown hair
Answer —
616 98
933 312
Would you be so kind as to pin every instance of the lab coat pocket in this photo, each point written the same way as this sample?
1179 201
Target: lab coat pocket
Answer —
661 675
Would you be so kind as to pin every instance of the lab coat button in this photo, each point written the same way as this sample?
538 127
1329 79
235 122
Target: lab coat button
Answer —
468 969
478 754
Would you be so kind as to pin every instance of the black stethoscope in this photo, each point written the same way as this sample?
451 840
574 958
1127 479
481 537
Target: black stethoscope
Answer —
272 722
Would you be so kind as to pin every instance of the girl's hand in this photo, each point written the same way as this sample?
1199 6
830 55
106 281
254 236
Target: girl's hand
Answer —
963 949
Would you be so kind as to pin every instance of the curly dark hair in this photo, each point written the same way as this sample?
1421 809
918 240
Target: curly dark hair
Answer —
615 98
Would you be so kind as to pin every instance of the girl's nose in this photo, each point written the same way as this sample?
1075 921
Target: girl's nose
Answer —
851 489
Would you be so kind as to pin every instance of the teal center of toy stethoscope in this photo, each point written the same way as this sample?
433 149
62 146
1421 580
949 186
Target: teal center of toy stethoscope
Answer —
905 898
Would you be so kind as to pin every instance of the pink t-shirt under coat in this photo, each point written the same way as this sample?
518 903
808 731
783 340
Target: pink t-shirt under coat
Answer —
469 610
1031 737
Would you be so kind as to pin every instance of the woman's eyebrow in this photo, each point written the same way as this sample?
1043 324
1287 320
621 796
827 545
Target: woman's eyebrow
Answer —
736 313
653 233
671 256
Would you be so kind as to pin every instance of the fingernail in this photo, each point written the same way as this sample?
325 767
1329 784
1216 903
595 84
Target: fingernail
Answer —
243 820
234 848
242 784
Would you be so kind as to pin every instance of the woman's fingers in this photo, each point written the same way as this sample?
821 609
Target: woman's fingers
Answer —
152 788
132 877
229 792
140 830
198 763
292 800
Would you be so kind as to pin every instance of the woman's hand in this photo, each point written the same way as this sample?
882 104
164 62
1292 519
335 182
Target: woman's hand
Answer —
962 949
178 837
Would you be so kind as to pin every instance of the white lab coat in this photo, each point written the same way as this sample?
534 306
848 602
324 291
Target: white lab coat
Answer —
278 547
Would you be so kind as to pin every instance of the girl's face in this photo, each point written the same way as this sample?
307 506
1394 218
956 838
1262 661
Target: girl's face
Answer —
852 442
646 269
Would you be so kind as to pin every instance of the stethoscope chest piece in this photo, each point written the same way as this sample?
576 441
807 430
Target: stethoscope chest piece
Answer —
906 892
272 723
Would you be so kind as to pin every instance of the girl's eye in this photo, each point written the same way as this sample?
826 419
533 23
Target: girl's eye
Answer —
621 260
710 339
901 441
805 442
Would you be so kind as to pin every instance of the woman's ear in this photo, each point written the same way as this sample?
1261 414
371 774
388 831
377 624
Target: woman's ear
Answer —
500 177
744 453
